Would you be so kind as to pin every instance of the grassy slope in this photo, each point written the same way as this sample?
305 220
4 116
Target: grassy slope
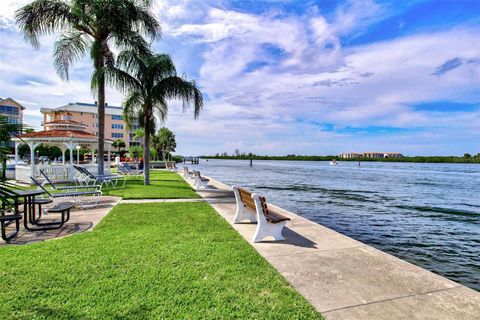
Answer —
168 260
164 185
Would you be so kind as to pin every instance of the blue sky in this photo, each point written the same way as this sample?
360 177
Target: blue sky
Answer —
303 77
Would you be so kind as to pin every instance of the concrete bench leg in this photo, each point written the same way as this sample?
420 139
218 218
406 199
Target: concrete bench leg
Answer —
243 214
269 229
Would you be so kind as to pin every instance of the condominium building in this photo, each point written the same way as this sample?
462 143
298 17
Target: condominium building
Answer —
86 113
371 155
350 155
12 110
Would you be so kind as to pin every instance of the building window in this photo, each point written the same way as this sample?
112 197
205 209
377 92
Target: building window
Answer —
115 117
117 126
117 135
9 110
135 127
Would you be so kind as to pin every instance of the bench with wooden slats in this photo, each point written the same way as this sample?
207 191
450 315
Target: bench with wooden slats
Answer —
246 197
270 215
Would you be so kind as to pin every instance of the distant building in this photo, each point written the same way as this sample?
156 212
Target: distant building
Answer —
12 110
374 155
371 155
86 113
350 155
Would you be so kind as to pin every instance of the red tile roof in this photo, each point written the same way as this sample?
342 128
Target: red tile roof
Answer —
60 134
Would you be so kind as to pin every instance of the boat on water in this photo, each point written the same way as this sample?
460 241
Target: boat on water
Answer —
333 162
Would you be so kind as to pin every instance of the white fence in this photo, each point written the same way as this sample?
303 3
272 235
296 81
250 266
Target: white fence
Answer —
54 172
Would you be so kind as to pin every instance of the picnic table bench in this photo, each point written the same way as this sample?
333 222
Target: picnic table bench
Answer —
253 206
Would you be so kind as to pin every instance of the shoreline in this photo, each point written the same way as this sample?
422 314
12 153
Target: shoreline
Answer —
327 159
352 279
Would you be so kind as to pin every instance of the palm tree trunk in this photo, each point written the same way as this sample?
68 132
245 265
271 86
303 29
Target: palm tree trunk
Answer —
101 117
146 147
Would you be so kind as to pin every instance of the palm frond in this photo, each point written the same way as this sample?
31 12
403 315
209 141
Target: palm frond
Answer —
179 88
131 106
68 48
43 17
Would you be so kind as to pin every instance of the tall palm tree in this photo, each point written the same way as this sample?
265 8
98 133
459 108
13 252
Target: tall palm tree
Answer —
89 25
149 80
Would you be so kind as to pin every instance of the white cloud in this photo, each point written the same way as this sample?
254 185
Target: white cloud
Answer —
279 82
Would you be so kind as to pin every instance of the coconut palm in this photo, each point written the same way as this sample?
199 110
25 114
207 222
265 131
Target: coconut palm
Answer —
89 25
149 80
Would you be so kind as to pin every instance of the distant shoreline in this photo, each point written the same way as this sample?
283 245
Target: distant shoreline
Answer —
417 159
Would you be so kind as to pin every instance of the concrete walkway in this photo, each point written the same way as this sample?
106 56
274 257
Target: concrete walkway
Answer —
346 279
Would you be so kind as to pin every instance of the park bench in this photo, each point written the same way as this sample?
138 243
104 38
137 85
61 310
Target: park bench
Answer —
199 182
187 173
253 206
170 165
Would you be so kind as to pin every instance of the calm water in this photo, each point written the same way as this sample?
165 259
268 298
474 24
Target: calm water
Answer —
428 214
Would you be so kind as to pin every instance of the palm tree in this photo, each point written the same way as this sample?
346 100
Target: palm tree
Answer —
149 80
119 143
89 25
6 131
164 142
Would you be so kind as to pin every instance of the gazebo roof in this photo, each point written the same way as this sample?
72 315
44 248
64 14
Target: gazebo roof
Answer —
60 136
55 133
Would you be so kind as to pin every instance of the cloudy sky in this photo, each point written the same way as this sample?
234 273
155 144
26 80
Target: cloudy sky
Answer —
303 77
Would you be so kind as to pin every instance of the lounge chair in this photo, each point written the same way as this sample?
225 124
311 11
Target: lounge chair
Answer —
57 187
81 198
132 171
87 177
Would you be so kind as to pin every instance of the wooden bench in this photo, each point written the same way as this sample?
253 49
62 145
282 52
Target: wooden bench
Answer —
170 166
187 173
253 207
199 182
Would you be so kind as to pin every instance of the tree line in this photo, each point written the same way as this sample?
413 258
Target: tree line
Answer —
467 158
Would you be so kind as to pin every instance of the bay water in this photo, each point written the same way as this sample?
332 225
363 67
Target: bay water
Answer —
427 214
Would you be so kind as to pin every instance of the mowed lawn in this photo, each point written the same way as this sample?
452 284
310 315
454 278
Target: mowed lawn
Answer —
147 261
164 185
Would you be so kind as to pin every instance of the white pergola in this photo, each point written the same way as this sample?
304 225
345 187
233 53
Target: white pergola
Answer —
66 135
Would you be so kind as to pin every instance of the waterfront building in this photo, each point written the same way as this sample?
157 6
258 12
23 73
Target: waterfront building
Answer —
350 155
370 155
86 114
12 110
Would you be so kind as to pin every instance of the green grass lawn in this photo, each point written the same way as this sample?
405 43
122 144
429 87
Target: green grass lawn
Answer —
164 185
147 261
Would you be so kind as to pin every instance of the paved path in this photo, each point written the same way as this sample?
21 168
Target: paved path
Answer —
346 279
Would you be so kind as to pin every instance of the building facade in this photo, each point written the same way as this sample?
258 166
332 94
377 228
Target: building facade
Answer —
12 110
371 155
86 114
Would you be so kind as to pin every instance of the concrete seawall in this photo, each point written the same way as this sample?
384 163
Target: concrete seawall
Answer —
347 279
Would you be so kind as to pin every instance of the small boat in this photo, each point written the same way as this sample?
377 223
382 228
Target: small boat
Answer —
333 162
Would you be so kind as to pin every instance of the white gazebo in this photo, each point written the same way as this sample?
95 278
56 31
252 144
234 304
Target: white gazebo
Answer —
65 134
